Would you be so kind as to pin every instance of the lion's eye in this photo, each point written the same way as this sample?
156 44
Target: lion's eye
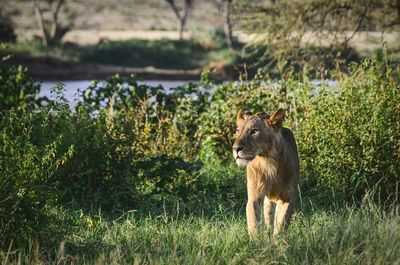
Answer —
237 131
253 131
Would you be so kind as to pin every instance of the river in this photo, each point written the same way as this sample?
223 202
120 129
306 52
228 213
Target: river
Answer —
72 88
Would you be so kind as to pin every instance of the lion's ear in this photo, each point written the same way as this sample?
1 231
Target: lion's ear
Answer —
277 118
242 115
262 115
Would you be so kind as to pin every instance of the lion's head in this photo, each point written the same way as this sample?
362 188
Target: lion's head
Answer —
256 134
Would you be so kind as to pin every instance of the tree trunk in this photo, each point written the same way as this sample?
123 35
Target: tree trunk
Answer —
181 17
54 22
227 23
49 28
181 29
41 24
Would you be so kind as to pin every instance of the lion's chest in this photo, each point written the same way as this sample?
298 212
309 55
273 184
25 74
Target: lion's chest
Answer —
263 178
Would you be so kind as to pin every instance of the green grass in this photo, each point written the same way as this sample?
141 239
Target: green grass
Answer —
364 234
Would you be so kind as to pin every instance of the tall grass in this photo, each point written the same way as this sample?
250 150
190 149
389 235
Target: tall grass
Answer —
364 234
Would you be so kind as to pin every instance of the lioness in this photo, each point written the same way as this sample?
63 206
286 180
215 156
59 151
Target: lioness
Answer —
269 152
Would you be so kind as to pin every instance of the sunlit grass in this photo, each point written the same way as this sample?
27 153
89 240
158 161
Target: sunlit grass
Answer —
364 234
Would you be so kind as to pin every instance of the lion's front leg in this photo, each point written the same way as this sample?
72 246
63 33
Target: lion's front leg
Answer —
254 205
253 213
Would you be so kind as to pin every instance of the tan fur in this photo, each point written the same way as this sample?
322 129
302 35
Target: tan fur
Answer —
269 153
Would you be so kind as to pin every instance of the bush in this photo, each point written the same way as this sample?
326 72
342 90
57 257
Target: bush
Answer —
171 54
349 139
27 183
17 89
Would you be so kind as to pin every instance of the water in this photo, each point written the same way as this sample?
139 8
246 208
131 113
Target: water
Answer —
72 88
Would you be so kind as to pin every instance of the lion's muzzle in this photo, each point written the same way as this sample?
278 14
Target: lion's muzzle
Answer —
241 157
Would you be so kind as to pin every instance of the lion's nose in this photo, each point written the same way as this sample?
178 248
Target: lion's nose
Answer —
237 148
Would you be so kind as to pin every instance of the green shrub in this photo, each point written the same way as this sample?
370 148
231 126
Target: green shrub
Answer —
171 54
17 89
349 140
27 183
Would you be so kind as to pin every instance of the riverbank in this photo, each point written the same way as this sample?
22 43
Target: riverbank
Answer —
54 69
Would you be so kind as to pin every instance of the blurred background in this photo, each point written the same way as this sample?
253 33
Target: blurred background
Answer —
178 39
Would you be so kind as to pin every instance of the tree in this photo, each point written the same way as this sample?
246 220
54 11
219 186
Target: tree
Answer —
48 20
340 19
226 7
288 26
181 15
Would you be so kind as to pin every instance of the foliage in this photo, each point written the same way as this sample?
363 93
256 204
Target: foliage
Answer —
17 89
288 31
337 22
316 61
92 159
27 175
353 135
169 54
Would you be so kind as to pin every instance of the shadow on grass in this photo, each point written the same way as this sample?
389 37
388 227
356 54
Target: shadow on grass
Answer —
167 54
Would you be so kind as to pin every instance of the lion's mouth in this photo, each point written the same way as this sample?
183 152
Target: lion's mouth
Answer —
243 161
245 158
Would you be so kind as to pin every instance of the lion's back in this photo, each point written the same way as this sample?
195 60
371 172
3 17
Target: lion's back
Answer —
291 149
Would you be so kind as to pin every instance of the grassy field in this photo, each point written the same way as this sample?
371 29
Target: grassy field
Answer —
362 234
